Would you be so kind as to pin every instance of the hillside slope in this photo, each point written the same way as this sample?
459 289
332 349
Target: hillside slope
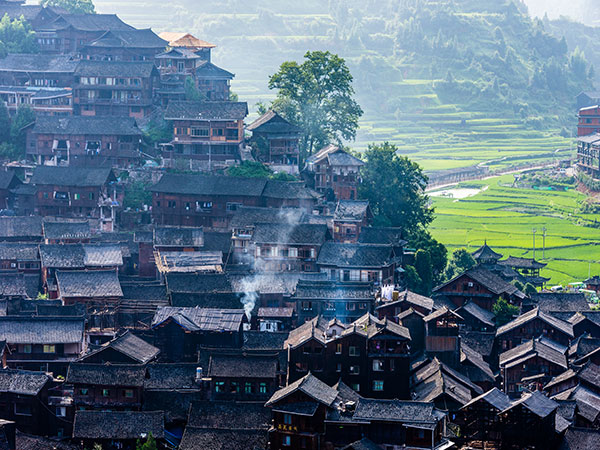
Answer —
452 83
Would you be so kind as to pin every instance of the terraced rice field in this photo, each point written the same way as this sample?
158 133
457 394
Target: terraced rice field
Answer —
506 216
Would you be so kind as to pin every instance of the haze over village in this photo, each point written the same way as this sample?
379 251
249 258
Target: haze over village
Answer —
343 225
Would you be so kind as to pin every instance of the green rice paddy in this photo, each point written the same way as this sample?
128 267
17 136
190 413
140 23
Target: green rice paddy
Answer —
505 217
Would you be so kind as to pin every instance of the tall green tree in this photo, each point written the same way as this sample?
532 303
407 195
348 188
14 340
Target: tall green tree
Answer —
150 443
16 36
425 270
504 311
395 189
73 6
317 96
460 262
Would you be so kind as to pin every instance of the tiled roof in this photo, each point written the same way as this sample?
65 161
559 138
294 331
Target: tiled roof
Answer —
81 125
106 374
206 69
288 190
395 411
529 349
332 290
41 330
19 252
141 69
534 314
165 236
310 386
410 298
22 382
209 185
381 236
275 312
201 319
144 38
186 110
171 376
559 301
363 444
470 356
23 227
149 292
89 283
282 233
489 280
522 263
494 397
79 256
249 216
35 62
184 40
351 210
336 156
72 229
117 425
271 122
70 176
13 285
203 438
354 255
198 283
229 415
258 340
537 403
483 315
7 179
580 438
88 22
186 262
486 253
131 346
242 366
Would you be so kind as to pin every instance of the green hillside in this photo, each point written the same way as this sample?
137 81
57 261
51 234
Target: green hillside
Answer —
452 83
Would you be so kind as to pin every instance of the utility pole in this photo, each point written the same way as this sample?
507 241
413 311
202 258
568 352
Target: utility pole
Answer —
544 244
534 231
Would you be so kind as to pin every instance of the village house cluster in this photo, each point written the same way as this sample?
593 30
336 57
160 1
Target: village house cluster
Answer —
244 313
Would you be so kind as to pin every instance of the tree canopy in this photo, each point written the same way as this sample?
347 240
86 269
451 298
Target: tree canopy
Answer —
460 262
16 36
317 96
504 311
395 189
73 6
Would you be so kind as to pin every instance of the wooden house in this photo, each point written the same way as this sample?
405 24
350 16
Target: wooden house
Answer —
413 321
117 387
358 262
40 71
19 257
530 325
528 269
114 88
117 429
41 343
539 358
479 419
126 348
76 192
476 318
124 45
276 142
588 153
589 121
349 218
405 300
187 41
96 289
334 172
179 331
84 141
480 286
210 132
442 338
45 101
8 182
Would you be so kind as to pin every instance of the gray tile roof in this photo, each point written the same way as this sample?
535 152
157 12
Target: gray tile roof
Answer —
285 234
22 382
171 376
494 397
529 349
13 285
19 251
70 176
81 125
117 425
271 122
288 190
310 386
249 216
201 319
207 69
125 375
198 283
331 290
20 227
242 366
30 62
355 255
209 185
537 403
558 301
351 210
580 439
165 236
372 410
205 438
89 283
336 156
141 69
486 253
131 346
534 314
41 330
88 22
229 415
483 315
201 111
73 229
381 236
133 38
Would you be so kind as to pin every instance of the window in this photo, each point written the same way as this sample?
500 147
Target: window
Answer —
61 411
313 253
287 419
128 393
233 206
220 386
392 365
338 367
355 275
338 349
22 409
293 252
105 392
234 387
287 441
354 370
378 385
49 349
306 306
330 306
45 195
83 391
362 306
350 306
377 365
171 204
355 387
353 351
200 132
248 387
76 196
262 388
91 196
218 131
27 348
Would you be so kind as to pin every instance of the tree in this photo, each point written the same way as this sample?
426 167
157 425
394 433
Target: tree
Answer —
425 271
460 262
412 278
73 6
4 123
250 169
530 289
504 311
395 189
25 116
16 36
158 131
137 194
150 443
192 93
317 96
